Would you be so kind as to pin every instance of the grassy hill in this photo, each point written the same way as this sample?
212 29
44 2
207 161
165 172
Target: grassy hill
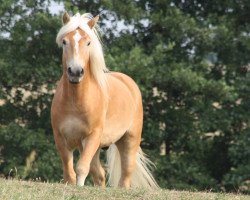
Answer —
23 190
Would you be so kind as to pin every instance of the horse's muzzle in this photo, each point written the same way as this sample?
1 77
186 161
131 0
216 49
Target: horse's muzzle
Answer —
75 74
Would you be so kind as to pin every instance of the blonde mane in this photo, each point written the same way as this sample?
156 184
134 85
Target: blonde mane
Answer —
97 62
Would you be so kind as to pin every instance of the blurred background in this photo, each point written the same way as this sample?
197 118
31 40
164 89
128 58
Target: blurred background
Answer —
191 60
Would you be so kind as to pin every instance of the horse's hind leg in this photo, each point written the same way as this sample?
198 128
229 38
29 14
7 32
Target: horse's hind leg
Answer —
97 171
128 147
66 155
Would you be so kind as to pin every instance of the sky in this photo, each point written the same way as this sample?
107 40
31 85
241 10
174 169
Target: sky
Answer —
56 8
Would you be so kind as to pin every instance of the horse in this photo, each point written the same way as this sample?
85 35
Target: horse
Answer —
94 108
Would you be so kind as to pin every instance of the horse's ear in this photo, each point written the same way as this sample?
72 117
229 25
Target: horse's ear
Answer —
93 21
65 18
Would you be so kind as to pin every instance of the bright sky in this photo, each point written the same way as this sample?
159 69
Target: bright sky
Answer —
55 8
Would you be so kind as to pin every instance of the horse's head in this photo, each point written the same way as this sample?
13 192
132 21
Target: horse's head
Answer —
76 46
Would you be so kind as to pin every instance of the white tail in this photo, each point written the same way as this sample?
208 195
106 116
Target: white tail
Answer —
141 177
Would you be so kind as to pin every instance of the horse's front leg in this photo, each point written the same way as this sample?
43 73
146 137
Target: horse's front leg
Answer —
66 155
90 145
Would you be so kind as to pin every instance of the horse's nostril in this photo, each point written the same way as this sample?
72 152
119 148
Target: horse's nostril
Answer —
79 71
69 70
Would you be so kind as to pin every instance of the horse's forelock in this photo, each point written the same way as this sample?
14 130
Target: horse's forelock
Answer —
77 21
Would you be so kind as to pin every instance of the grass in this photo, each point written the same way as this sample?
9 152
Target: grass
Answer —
27 190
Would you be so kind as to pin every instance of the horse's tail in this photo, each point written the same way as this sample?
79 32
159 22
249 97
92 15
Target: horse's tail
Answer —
141 177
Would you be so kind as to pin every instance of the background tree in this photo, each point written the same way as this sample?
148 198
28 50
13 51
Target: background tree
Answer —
190 59
29 68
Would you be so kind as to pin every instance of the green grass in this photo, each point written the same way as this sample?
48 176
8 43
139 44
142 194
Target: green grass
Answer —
17 190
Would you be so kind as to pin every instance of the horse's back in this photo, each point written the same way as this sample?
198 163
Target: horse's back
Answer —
129 83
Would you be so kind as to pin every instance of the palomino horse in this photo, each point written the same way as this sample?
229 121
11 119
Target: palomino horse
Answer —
92 109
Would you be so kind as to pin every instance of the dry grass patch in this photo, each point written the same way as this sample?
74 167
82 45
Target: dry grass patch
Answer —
26 190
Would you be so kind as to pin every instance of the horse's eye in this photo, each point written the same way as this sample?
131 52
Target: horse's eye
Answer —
88 43
64 42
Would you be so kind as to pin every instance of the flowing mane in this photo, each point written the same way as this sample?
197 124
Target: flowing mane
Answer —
97 62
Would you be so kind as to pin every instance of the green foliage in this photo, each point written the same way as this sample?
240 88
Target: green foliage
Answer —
28 154
239 172
184 173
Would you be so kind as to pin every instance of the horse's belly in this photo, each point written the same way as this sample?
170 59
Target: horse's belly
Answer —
111 137
114 130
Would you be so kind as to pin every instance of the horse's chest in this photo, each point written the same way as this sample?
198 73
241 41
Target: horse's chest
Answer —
73 129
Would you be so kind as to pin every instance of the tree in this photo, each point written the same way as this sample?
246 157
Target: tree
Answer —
30 66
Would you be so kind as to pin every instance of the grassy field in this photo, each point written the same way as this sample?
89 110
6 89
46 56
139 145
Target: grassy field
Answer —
17 190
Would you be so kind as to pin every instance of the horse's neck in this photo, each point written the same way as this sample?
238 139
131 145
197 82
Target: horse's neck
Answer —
79 93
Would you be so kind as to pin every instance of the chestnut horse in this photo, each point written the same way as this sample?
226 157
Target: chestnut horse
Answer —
93 108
